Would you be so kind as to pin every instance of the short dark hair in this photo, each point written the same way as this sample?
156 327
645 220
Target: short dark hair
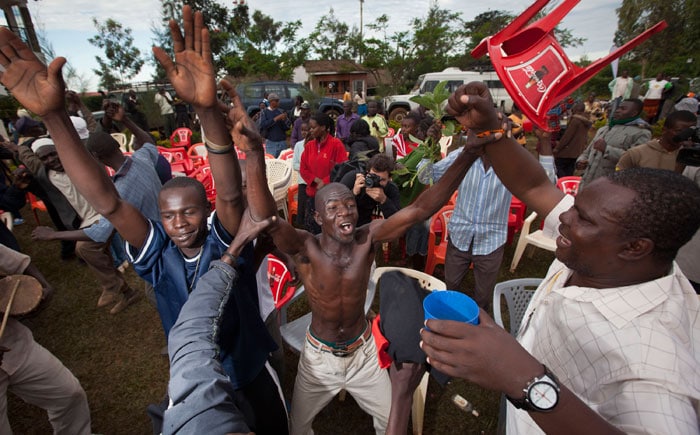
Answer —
102 144
359 128
666 209
415 117
381 163
638 104
679 116
187 182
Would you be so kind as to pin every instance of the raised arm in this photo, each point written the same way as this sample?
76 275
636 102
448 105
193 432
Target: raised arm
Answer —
261 204
193 76
42 91
203 398
515 166
430 201
140 136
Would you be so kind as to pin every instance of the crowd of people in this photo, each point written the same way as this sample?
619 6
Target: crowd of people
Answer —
610 342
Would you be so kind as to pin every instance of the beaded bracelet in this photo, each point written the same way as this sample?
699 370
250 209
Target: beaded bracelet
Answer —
489 132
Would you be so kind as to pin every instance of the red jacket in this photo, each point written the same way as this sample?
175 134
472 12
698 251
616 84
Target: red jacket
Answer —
318 160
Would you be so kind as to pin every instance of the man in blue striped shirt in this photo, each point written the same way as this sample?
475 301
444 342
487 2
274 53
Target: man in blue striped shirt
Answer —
478 227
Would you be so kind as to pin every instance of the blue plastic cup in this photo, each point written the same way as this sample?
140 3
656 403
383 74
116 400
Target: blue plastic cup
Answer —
451 305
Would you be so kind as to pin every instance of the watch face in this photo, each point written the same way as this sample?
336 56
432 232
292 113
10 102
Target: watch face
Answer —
543 395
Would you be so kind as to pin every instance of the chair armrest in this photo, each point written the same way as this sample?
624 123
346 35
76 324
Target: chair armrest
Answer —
526 225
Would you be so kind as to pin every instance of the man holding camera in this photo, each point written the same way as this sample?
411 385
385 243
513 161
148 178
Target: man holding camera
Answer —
374 191
661 153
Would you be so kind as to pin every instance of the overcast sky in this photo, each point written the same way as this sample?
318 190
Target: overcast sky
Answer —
68 23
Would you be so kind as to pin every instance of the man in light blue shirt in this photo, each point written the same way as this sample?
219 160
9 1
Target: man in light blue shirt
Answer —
478 227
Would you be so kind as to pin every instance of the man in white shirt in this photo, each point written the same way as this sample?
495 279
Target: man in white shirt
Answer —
164 102
654 96
611 338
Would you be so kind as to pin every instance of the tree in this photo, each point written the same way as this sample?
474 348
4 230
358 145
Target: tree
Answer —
334 40
483 25
670 50
437 38
263 47
121 60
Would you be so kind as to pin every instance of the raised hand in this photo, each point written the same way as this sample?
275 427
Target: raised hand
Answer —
247 231
38 89
192 74
115 111
244 132
484 354
473 107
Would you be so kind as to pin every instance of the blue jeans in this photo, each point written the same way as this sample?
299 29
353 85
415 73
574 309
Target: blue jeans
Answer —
275 147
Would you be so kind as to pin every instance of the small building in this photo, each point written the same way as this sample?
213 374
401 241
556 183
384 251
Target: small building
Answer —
333 77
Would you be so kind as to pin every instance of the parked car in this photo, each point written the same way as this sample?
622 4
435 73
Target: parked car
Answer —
253 93
397 106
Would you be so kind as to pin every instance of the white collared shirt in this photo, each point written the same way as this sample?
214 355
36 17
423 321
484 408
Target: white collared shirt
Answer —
631 353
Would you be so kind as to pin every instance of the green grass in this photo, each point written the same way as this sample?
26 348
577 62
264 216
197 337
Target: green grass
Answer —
117 358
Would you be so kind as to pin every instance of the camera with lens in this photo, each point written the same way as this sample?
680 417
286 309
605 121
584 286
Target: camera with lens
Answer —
372 180
690 155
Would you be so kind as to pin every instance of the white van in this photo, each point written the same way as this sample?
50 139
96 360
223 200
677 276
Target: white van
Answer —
397 106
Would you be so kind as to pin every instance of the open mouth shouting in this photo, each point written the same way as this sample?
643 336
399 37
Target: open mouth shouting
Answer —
347 228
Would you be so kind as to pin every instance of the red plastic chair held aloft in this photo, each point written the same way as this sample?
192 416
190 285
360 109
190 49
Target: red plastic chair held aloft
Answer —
533 66
181 137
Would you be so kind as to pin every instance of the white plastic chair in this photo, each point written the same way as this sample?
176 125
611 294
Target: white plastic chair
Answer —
429 283
518 293
121 138
279 178
536 238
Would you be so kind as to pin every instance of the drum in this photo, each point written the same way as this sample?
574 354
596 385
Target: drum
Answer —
27 294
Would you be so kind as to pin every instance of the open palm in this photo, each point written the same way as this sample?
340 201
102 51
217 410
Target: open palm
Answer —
192 73
38 89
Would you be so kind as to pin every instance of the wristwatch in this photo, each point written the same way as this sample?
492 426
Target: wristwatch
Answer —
541 394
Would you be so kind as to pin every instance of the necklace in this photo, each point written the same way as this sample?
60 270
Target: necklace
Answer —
196 269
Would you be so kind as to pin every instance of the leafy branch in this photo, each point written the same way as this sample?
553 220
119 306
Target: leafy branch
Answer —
406 174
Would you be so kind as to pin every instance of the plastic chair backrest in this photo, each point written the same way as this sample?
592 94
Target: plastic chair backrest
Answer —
287 154
426 281
121 139
532 65
203 175
569 185
279 172
281 282
518 293
438 225
198 149
181 137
